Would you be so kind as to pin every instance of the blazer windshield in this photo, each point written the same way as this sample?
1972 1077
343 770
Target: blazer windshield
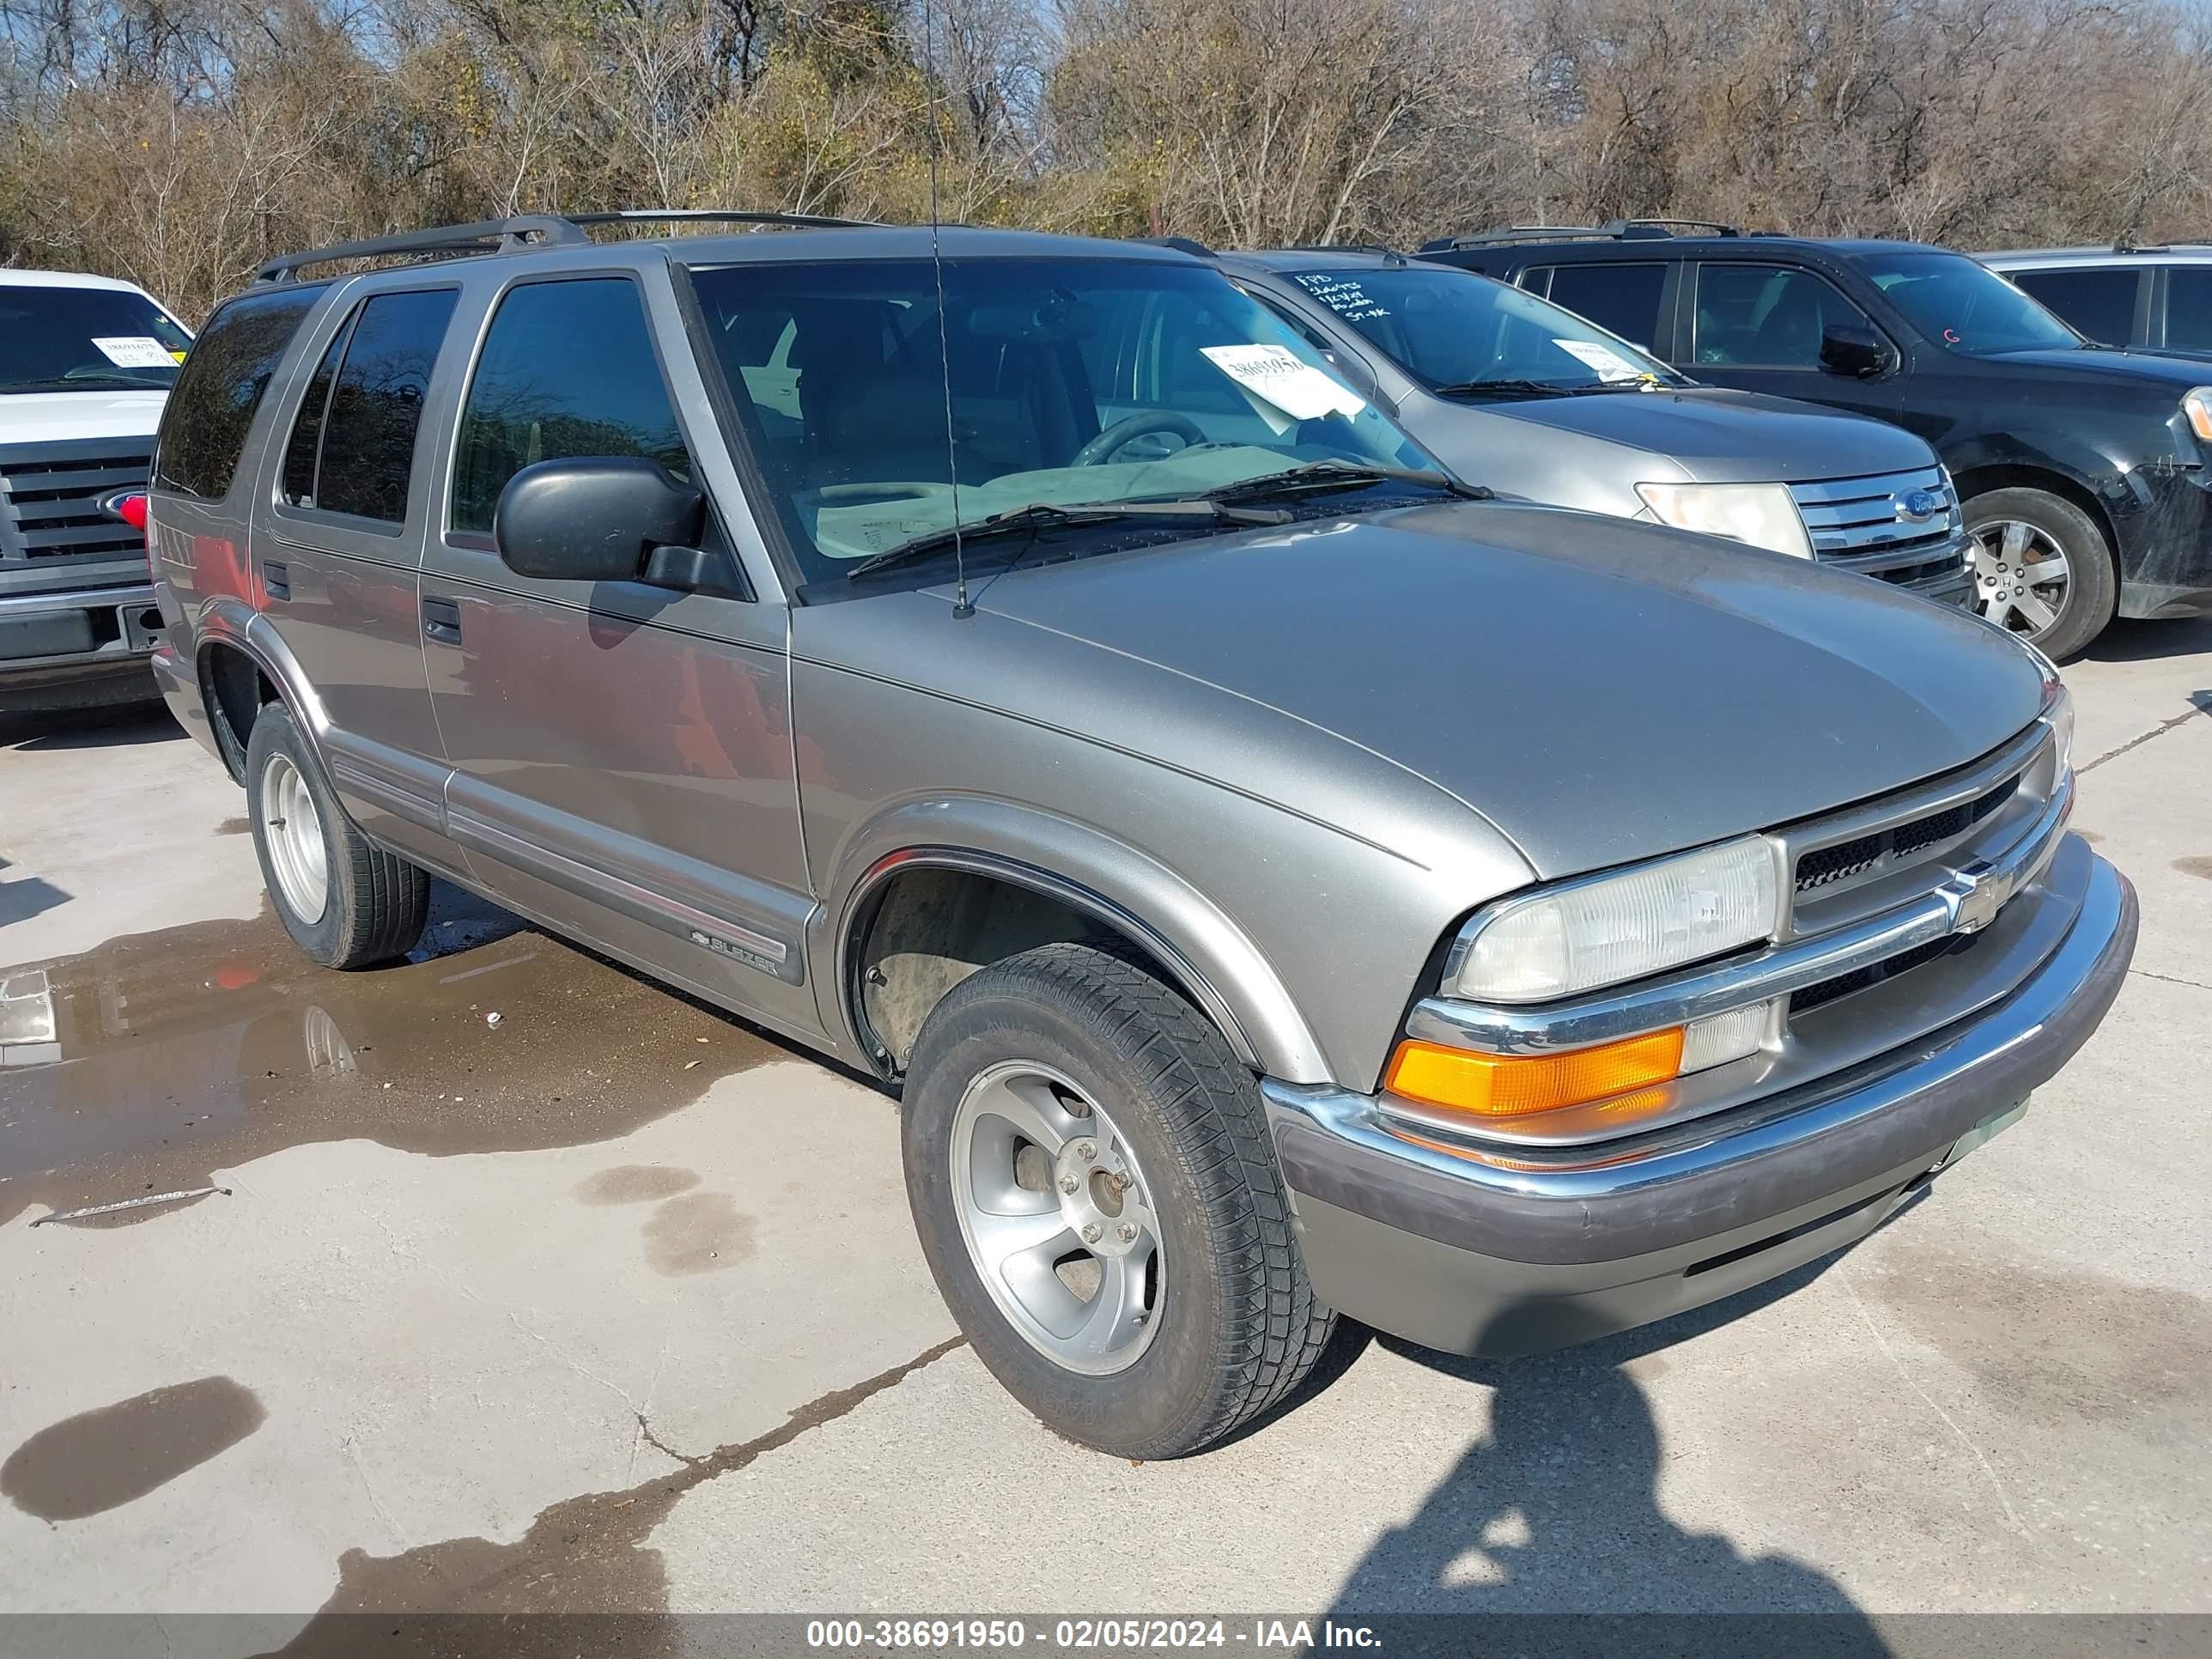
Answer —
1071 382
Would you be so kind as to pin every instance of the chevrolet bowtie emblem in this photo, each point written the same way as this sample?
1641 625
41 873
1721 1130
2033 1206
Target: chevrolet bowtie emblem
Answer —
1975 896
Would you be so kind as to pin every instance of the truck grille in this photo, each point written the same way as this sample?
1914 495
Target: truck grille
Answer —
50 499
1827 864
1860 524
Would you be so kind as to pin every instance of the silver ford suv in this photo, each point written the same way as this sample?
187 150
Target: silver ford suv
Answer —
1278 878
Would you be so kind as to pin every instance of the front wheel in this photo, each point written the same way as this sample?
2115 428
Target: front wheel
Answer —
1092 1181
2041 568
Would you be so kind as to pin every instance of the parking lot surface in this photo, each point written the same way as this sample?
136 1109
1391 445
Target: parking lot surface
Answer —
611 1303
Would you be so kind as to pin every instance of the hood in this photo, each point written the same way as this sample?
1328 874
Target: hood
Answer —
30 418
2112 364
1599 690
1719 436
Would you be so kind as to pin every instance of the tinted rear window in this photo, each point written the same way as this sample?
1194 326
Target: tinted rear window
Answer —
203 427
376 404
1623 300
2189 308
2100 303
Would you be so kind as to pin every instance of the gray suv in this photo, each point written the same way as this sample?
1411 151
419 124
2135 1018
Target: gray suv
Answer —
1503 386
1278 878
2146 299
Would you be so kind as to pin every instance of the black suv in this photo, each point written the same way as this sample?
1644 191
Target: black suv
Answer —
2082 468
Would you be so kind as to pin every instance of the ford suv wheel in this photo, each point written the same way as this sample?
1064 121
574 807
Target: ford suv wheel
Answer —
1092 1181
345 901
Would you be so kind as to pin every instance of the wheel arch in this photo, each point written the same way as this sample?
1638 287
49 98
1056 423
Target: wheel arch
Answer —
1068 882
242 664
2015 475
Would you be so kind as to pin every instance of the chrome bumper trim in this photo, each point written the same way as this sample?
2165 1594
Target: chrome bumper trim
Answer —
76 598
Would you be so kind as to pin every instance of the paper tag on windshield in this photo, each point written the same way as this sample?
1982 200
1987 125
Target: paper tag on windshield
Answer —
1281 379
1608 364
134 351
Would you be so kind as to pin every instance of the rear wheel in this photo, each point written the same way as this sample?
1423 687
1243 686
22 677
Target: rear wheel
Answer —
1093 1184
345 901
2041 568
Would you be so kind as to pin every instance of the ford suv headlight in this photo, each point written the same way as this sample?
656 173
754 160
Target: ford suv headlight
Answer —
1762 514
1584 934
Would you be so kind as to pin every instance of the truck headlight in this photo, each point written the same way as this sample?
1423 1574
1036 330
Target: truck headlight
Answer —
1762 514
2058 714
1604 931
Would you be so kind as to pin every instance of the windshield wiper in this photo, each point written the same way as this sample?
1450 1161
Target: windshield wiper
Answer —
1342 475
1514 388
1042 515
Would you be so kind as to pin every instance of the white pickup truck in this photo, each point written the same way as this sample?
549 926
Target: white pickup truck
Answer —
86 364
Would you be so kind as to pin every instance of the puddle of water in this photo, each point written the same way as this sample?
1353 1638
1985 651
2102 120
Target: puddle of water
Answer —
156 1059
100 1460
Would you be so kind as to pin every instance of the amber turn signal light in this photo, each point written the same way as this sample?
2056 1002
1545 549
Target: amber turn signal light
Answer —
1510 1086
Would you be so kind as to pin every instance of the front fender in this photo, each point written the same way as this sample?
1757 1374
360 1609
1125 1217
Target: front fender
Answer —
1216 965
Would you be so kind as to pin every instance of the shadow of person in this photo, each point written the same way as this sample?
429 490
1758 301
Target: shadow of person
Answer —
1550 1528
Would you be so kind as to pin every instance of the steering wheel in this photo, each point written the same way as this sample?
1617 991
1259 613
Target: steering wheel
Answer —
1117 436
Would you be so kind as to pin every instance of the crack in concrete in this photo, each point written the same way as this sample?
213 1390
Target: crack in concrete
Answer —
2168 979
586 1554
2137 742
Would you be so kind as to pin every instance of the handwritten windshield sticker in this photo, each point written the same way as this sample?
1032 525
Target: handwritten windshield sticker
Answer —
1278 379
1342 295
135 351
1608 364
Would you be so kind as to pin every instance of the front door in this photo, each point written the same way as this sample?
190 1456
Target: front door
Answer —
340 516
621 753
1757 328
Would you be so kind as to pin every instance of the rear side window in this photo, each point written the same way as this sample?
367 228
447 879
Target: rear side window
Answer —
2100 303
203 427
2189 308
1621 298
374 408
567 370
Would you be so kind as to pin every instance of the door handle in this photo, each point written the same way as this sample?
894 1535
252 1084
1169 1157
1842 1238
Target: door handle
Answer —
441 620
275 579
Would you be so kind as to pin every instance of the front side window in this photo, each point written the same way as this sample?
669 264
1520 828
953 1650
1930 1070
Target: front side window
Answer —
1071 383
2100 303
205 425
2189 308
375 406
1965 307
567 370
1465 335
1767 316
1622 300
86 339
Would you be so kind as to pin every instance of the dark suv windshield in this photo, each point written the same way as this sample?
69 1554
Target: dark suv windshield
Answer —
1072 382
1967 306
86 339
1452 328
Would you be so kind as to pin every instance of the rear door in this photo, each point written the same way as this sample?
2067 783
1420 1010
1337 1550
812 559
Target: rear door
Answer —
342 507
2186 308
1632 298
1757 326
621 754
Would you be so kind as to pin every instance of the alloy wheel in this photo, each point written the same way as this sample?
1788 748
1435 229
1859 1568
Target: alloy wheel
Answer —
2021 577
293 831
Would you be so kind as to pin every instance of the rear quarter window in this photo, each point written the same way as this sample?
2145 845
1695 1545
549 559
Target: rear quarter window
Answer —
210 412
1621 299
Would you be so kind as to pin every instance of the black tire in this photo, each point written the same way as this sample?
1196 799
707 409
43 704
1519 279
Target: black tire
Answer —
2093 587
377 902
1238 1326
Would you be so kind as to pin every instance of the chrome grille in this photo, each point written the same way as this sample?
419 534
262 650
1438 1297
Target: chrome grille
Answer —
1859 524
50 499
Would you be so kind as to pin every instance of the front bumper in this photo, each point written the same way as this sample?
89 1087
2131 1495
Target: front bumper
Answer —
76 646
1509 1256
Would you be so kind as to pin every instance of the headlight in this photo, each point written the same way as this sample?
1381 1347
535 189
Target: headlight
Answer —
1762 514
2198 406
1613 928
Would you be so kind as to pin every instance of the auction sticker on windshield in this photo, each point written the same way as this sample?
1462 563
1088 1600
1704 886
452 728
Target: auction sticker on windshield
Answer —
1608 364
134 351
1282 380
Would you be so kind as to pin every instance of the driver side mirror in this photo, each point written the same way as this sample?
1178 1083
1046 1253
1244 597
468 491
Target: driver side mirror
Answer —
1855 352
604 518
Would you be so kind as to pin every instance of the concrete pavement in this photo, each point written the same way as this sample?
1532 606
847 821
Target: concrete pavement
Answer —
614 1305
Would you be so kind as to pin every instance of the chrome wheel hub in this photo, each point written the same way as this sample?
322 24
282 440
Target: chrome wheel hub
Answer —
2020 575
1057 1217
292 830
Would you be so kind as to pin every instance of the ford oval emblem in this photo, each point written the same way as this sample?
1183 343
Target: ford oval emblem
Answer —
1919 504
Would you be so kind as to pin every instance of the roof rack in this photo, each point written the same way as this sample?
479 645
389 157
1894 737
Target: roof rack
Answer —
1377 248
1180 244
1619 230
526 230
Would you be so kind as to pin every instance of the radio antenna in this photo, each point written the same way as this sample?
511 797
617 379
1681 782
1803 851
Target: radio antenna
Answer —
961 607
